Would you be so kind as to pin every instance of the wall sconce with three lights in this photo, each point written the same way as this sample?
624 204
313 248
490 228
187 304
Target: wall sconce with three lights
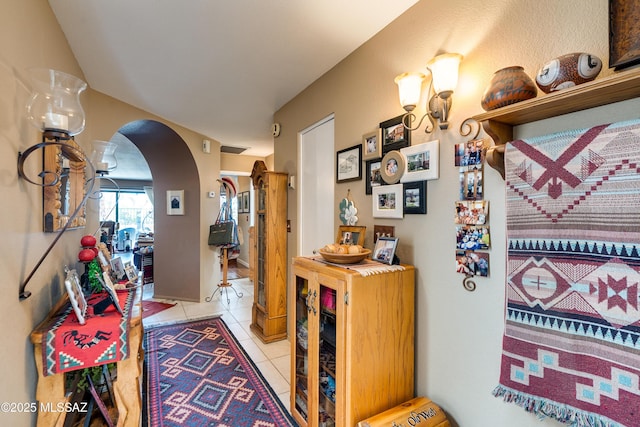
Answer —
54 108
444 78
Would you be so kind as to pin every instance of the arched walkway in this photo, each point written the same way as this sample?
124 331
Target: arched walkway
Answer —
176 248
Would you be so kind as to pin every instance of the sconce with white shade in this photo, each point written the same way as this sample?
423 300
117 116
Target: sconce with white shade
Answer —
444 78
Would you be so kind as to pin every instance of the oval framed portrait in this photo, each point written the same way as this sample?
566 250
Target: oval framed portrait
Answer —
392 167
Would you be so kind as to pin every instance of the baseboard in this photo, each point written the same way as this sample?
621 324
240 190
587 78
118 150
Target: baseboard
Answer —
244 263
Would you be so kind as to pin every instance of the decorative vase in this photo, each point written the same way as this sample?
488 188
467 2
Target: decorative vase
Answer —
508 86
567 71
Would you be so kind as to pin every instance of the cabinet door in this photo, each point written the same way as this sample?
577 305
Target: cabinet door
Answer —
318 368
261 248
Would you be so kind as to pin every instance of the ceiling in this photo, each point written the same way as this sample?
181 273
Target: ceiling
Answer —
219 68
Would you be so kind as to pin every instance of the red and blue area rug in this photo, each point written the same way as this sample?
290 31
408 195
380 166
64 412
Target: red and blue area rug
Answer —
197 374
571 347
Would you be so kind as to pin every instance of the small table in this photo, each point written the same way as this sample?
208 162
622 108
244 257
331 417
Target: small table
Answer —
50 391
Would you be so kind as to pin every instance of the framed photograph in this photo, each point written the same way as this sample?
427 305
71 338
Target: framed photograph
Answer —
387 201
624 33
393 167
351 235
373 175
471 238
471 212
76 297
471 184
421 162
415 197
469 153
175 202
239 203
107 285
371 145
118 267
348 164
472 263
131 271
394 135
246 202
385 249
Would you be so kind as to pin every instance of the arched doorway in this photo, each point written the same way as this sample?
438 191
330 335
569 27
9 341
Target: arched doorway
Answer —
177 237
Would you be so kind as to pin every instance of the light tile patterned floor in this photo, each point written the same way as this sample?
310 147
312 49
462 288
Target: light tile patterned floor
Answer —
273 359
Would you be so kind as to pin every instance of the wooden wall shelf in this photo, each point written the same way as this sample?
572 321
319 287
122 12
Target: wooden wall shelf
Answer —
499 123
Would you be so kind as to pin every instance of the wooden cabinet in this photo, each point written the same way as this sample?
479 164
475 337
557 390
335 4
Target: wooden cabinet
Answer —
269 312
352 342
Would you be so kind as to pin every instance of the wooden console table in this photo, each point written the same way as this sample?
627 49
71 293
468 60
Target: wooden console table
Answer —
51 389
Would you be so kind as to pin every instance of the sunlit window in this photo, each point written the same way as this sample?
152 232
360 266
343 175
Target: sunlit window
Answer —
129 209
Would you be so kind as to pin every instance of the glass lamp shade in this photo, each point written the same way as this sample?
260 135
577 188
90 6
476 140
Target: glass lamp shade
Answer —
444 71
103 156
409 87
55 101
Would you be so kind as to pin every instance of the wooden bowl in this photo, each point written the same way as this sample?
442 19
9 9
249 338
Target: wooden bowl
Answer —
345 258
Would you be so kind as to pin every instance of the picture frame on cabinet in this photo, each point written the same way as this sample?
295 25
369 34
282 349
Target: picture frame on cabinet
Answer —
385 250
351 235
76 296
175 202
394 135
373 175
421 162
372 145
624 31
349 164
387 201
414 197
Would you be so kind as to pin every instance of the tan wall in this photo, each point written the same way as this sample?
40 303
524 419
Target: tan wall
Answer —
31 37
458 333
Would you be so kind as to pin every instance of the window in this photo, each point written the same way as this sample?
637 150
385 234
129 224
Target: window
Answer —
129 209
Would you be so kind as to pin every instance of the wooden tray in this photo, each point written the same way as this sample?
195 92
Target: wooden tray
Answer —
345 258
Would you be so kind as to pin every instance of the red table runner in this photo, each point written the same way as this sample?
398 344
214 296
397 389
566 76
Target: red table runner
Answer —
68 345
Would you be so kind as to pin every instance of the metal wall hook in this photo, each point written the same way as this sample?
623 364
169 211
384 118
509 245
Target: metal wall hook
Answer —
468 283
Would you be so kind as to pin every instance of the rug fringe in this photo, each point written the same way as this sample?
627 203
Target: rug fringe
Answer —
546 408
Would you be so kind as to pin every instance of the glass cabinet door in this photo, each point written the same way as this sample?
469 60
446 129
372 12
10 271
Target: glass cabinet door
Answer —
261 246
302 348
327 357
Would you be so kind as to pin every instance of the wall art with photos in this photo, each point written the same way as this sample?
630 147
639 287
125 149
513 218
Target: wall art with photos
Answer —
473 212
385 249
387 201
175 202
469 153
351 235
348 164
415 197
246 202
394 135
372 145
373 175
472 263
393 166
471 182
470 237
421 162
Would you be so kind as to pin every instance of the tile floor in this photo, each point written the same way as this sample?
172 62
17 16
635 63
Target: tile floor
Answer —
273 359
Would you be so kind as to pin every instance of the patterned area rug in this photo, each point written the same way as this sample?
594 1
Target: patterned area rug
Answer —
197 374
571 348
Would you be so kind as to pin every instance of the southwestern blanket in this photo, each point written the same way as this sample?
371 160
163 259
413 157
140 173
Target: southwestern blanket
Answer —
571 347
67 345
197 374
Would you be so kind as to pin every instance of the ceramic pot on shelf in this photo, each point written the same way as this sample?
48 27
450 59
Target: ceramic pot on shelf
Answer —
508 86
